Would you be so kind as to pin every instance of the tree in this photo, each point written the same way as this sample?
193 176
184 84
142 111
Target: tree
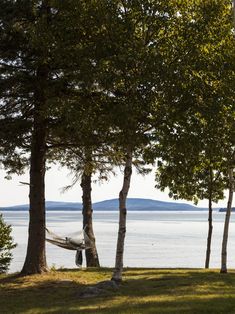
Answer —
84 163
229 130
191 158
81 143
202 90
50 67
6 245
229 87
131 77
191 175
16 74
33 89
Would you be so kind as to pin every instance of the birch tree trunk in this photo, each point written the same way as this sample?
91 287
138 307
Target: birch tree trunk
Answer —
117 274
226 223
92 259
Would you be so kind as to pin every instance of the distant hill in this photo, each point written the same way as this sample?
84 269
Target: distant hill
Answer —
50 205
133 204
224 209
139 204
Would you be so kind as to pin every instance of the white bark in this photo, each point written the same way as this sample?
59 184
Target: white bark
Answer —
117 274
227 219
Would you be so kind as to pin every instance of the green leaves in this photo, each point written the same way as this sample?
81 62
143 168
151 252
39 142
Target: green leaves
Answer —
6 245
195 143
155 75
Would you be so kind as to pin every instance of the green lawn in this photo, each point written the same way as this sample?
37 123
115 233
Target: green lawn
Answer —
142 291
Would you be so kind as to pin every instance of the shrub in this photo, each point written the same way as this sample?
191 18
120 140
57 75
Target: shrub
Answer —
6 245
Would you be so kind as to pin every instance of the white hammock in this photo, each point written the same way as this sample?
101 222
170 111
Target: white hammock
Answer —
76 241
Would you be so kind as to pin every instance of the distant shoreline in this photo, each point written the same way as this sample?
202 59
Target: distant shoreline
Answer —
115 210
133 204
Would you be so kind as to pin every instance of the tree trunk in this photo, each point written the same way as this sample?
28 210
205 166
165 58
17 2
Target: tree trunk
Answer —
210 229
210 226
92 259
230 200
226 223
117 274
35 261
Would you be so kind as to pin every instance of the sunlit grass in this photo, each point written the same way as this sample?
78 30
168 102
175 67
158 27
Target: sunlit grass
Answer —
142 291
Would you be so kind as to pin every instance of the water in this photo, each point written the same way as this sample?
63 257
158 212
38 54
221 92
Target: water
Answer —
153 239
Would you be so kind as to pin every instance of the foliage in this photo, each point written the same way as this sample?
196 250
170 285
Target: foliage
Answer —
195 150
86 82
6 245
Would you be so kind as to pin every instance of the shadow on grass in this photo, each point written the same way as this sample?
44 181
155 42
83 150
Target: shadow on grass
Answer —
89 270
11 278
48 295
152 291
189 306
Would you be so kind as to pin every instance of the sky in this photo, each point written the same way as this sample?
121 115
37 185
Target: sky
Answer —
14 193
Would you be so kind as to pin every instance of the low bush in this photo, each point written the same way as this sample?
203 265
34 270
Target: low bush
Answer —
6 245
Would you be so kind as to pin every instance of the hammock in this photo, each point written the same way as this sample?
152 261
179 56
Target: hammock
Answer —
76 241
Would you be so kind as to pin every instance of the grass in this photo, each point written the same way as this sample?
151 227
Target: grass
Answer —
142 291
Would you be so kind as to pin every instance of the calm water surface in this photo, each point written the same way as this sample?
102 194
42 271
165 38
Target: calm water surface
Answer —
153 239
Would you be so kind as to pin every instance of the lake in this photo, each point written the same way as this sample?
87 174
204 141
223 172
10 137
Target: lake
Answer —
153 239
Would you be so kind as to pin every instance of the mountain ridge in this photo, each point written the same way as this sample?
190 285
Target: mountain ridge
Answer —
133 204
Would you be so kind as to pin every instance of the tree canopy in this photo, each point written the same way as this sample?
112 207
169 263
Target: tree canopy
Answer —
96 84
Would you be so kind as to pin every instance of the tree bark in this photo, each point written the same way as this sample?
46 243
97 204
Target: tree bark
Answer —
35 261
210 229
92 259
210 225
226 223
117 274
